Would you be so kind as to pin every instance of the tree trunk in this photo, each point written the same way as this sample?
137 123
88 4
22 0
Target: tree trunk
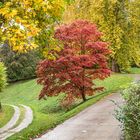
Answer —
114 66
83 95
83 52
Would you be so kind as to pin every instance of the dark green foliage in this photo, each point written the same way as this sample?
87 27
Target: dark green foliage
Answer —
129 113
19 66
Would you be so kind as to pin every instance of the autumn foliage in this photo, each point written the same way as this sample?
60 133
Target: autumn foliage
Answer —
82 59
28 24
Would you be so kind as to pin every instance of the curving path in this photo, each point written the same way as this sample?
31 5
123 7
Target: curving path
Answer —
96 122
13 120
28 118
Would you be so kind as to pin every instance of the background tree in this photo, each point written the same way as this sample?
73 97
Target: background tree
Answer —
2 79
27 24
83 59
19 66
134 9
115 20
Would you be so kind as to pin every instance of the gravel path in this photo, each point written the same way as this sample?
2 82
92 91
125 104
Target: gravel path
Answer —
28 118
13 120
96 122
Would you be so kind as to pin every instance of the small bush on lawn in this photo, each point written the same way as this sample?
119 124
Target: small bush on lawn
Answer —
3 81
2 76
129 113
67 105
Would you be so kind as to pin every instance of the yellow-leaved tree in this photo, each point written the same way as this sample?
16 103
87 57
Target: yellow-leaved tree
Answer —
135 28
118 20
27 24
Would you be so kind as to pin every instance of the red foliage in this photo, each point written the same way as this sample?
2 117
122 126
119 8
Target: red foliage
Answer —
83 59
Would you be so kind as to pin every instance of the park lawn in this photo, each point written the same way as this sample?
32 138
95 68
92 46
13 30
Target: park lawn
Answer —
6 115
27 93
135 70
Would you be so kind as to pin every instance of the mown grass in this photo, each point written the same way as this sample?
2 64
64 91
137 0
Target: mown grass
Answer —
6 115
135 70
21 117
27 93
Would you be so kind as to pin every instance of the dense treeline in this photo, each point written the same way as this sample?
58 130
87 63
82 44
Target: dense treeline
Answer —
119 21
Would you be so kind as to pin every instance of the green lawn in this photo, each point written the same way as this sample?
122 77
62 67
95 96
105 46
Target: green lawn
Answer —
6 114
27 93
135 70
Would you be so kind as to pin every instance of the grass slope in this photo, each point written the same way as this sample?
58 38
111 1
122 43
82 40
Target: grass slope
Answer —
6 115
27 93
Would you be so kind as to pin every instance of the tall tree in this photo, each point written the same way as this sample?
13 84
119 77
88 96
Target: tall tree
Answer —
27 24
114 19
83 59
134 9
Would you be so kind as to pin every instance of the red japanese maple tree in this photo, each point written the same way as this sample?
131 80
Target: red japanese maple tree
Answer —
82 59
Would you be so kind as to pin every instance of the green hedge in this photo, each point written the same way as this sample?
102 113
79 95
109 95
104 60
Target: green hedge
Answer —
129 113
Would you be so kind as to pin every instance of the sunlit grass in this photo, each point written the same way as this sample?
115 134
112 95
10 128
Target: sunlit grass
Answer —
6 114
135 70
27 93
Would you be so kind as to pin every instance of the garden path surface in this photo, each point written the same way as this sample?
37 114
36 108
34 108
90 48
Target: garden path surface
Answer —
96 122
11 129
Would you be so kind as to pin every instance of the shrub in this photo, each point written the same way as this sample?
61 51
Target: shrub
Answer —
19 66
129 113
2 79
67 104
2 76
